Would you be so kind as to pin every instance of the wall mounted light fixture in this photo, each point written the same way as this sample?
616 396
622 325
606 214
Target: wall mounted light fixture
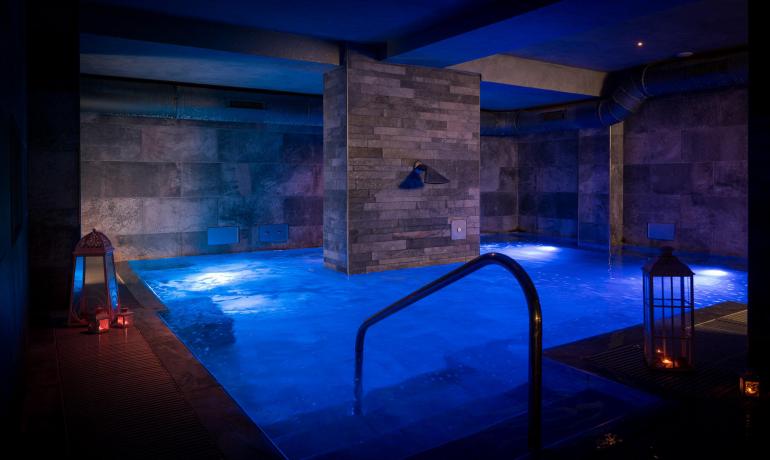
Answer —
422 174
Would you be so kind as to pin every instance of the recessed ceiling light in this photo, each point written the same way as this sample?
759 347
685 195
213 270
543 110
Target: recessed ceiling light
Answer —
685 54
639 44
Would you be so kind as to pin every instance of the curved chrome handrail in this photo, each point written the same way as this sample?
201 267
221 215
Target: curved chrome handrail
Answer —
535 331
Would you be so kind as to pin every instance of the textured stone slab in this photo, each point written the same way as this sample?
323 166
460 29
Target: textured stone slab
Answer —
112 216
129 179
165 215
202 179
147 246
178 143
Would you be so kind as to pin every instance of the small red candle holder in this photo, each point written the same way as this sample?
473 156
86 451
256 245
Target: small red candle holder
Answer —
749 385
124 318
99 322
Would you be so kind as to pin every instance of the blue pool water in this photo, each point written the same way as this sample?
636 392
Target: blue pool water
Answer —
277 330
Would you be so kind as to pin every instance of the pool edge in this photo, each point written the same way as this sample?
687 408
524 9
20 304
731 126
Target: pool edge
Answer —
234 432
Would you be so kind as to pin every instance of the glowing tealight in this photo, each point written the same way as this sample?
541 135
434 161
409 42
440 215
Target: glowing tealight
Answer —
712 272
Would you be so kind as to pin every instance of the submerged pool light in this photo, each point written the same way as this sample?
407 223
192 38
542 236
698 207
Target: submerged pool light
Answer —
712 272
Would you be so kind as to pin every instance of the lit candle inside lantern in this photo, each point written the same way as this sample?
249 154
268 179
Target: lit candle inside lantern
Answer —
124 318
666 362
99 322
749 385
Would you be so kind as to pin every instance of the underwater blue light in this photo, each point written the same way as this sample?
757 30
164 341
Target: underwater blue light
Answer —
712 272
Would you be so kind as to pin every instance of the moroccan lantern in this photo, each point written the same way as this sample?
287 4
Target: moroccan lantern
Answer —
669 313
749 385
94 283
124 318
99 321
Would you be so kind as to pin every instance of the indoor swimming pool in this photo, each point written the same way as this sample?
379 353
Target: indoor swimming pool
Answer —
277 330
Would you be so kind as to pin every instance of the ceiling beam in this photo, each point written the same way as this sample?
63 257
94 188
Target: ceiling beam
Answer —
145 26
516 71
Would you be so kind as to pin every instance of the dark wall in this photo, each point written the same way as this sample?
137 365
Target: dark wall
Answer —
155 186
682 161
499 184
685 163
548 183
53 143
13 208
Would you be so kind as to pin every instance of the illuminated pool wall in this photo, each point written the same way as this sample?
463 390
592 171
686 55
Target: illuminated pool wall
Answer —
164 165
680 160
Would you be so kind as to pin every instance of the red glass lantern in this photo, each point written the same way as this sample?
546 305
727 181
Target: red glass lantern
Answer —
669 313
94 282
124 318
99 321
749 385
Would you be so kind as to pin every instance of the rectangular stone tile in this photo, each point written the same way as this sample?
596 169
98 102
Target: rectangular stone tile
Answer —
302 148
715 143
202 179
593 232
662 146
731 178
306 235
593 178
636 179
594 208
241 145
670 178
166 215
491 224
251 210
112 216
733 106
303 210
509 179
236 179
557 227
563 178
557 205
113 142
147 246
129 179
179 143
498 204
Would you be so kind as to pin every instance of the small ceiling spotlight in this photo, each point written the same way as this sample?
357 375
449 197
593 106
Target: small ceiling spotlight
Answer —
639 44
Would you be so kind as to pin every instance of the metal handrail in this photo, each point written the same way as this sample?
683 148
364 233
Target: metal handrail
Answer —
535 331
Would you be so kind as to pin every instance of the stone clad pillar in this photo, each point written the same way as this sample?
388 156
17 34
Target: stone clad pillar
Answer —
378 119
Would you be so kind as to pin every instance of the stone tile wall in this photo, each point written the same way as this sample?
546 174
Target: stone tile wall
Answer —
155 186
686 164
593 185
395 115
335 205
548 183
499 185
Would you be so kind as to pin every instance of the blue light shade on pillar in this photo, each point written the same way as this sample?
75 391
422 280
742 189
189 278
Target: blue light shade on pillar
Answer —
414 179
94 282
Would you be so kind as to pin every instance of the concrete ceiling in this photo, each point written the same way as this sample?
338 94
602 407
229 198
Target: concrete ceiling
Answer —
288 45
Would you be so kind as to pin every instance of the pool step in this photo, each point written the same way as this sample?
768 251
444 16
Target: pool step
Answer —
388 410
573 401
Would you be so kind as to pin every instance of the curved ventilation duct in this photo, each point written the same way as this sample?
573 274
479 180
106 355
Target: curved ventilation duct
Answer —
634 88
167 100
